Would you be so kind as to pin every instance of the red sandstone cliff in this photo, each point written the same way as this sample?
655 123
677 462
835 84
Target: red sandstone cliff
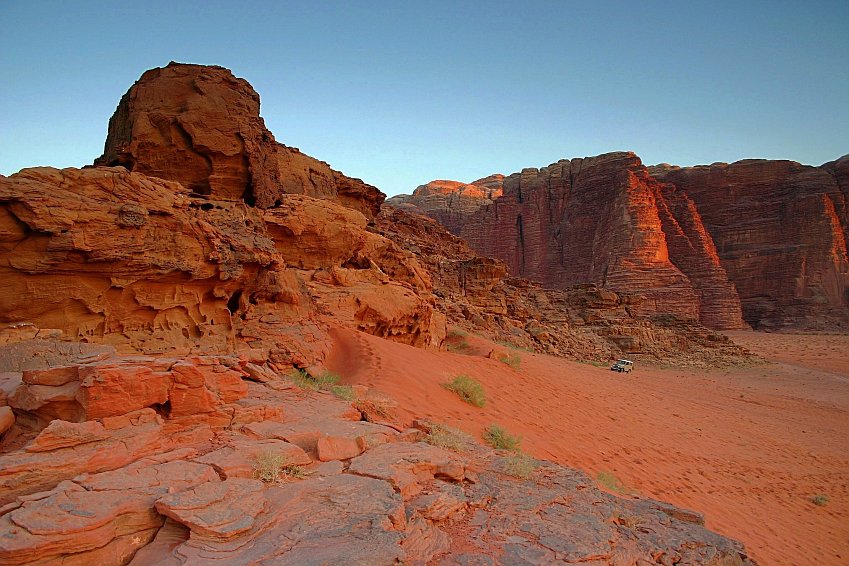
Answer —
781 232
582 322
605 220
450 202
219 240
200 126
760 241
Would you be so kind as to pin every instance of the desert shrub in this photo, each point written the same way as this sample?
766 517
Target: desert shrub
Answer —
456 341
344 392
519 465
512 360
611 482
269 466
446 437
499 438
468 389
819 500
325 381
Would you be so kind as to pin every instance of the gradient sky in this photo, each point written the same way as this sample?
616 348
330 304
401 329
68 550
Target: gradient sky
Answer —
399 93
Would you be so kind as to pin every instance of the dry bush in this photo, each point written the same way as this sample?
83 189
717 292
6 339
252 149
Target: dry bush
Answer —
500 439
445 436
519 465
468 389
270 465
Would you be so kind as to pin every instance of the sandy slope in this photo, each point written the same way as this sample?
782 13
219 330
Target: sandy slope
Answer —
748 447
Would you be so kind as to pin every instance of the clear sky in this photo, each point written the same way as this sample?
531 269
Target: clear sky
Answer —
399 93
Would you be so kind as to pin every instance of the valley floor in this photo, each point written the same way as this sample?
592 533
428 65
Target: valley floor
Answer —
747 446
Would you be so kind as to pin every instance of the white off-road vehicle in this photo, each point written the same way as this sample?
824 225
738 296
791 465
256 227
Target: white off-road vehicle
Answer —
622 366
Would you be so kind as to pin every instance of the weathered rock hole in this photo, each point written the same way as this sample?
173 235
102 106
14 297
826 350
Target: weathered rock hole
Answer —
248 196
357 262
233 302
162 409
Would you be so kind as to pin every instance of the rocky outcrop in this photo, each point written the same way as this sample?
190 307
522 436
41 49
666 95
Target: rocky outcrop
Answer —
780 230
755 243
604 220
200 126
259 487
450 201
120 258
582 322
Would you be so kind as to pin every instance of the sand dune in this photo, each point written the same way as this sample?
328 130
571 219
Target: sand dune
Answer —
748 447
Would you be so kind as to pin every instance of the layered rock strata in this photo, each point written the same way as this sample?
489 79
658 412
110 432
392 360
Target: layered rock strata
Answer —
582 322
120 258
204 235
450 201
755 243
781 232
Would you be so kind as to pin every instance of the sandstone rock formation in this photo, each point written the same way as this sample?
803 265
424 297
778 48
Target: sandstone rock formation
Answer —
110 256
450 201
191 493
582 322
756 243
200 126
781 231
153 312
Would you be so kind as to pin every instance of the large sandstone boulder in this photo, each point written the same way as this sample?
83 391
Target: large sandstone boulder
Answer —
200 126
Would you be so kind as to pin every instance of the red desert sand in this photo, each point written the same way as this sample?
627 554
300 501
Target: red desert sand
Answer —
750 447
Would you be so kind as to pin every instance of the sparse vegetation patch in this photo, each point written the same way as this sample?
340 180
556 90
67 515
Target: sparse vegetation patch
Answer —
270 465
500 439
611 482
344 392
456 342
512 360
304 380
447 437
468 389
519 465
819 500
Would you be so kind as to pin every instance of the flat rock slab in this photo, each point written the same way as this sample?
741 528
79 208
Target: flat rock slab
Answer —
326 438
217 510
101 518
561 517
79 448
239 460
407 465
343 519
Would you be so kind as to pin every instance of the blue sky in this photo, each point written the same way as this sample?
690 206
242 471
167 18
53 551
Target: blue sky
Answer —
399 93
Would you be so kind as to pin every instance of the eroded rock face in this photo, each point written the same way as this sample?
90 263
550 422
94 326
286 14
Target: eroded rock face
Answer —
601 220
450 201
582 322
110 256
200 126
780 230
755 243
